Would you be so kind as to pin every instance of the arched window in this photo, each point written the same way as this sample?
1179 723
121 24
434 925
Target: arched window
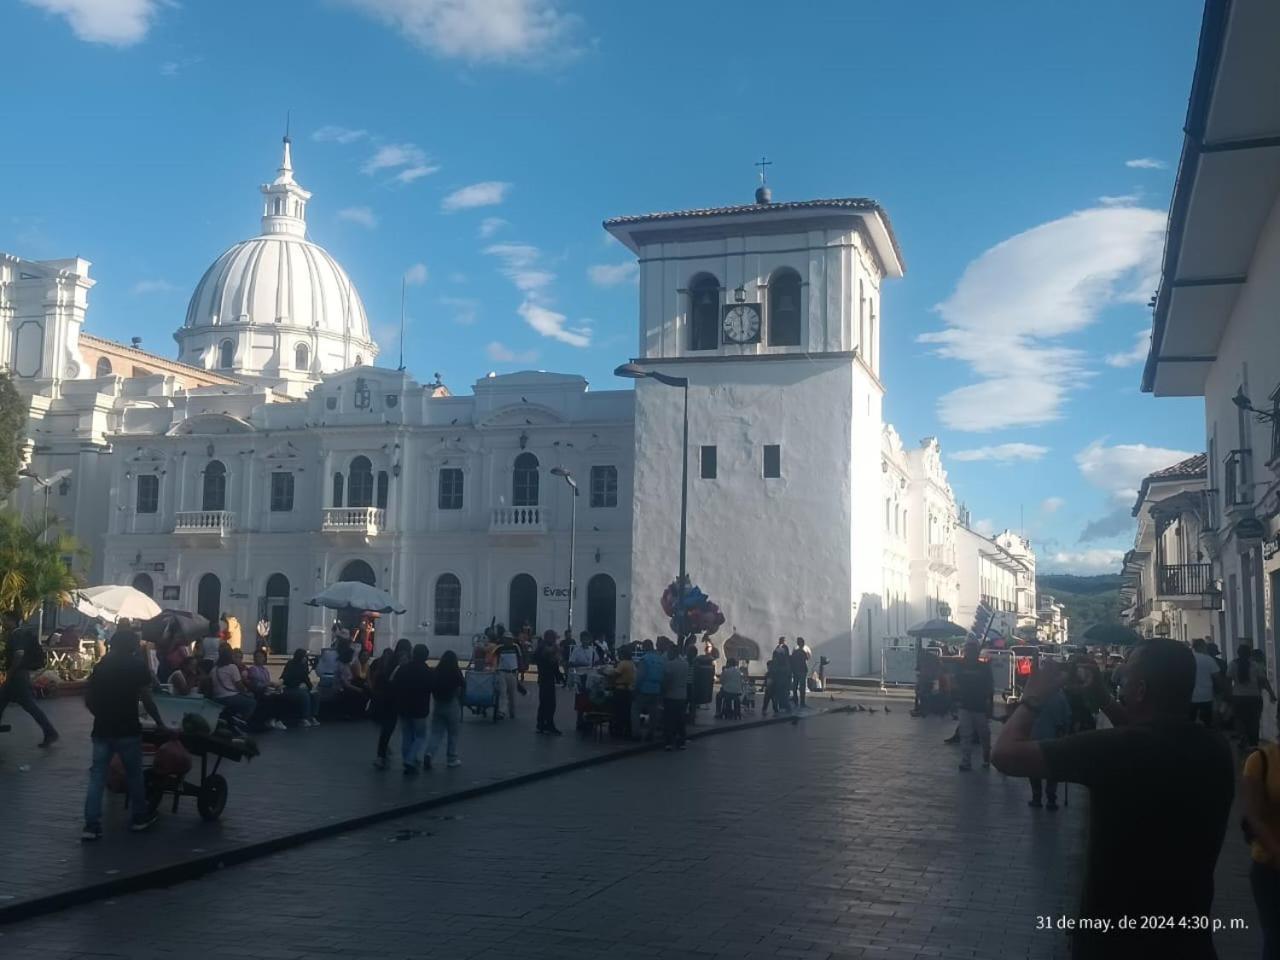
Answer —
143 583
209 599
227 354
522 605
448 606
602 606
103 367
704 312
215 487
524 481
784 309
337 490
301 357
360 483
359 572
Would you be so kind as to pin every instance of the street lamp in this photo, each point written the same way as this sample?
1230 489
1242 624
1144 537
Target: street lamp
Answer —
633 371
47 483
573 538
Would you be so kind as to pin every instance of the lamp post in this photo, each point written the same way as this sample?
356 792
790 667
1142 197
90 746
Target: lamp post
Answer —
573 538
47 483
633 371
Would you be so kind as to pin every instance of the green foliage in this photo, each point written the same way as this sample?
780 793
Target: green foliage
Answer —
1087 600
13 422
31 570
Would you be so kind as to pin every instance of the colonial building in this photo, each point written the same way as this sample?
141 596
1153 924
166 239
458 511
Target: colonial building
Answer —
273 457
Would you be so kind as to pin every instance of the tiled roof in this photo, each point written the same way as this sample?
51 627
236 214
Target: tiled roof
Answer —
1197 466
856 204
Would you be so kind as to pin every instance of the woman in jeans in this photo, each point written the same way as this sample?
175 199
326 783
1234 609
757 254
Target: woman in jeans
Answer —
228 686
411 689
1248 680
384 708
446 718
304 702
1260 790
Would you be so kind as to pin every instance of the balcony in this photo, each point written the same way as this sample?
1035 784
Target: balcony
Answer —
365 521
205 523
1183 579
518 520
942 557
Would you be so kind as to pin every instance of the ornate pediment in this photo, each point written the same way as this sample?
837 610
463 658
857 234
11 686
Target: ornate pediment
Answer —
211 423
521 415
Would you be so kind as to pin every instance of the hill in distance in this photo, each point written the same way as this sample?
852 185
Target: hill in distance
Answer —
1088 600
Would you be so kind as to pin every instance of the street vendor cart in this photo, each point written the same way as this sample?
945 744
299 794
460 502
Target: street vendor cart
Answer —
211 748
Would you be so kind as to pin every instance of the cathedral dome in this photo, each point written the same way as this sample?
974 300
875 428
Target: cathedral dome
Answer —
277 306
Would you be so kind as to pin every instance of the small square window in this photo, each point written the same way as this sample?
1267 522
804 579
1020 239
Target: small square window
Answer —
707 462
148 493
450 493
772 461
281 491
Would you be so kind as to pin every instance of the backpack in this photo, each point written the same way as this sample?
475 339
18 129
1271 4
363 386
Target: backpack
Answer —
1245 829
649 674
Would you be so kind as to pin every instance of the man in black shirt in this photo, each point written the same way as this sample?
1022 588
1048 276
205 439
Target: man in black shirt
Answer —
1160 793
23 654
118 682
974 688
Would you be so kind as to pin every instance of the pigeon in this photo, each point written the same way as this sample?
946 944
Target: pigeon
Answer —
453 421
873 710
886 708
524 399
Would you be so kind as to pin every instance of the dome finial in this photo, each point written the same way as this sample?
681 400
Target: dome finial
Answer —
286 162
763 194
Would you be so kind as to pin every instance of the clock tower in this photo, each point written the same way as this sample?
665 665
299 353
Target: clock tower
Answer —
771 310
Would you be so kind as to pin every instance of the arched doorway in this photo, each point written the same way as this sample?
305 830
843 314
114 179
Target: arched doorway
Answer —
360 572
209 600
275 607
523 605
144 584
602 606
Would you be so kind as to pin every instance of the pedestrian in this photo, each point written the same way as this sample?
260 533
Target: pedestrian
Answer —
777 681
209 647
1053 721
604 652
624 683
582 658
729 698
295 680
509 658
1083 689
228 684
411 690
1160 792
383 702
547 660
566 654
447 684
648 699
799 672
1202 692
24 654
974 689
116 685
1248 680
1260 791
675 691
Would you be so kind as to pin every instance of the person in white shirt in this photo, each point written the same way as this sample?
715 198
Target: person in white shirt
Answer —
581 662
1202 693
729 699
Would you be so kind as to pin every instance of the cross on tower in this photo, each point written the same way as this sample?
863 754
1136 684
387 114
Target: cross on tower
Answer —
762 163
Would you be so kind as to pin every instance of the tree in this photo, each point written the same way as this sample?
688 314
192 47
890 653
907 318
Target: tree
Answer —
33 571
13 422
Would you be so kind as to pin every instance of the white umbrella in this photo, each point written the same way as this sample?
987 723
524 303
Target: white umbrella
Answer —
353 595
111 601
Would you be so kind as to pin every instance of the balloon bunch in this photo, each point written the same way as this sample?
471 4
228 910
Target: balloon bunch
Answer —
692 613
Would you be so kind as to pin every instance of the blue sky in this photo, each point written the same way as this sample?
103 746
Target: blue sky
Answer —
1025 153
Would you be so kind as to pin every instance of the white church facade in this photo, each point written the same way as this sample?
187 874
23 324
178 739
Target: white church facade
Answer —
273 457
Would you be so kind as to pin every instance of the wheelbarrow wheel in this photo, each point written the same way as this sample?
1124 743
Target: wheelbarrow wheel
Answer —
212 799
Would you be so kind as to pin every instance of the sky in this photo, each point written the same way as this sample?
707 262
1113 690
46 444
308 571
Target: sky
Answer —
1025 154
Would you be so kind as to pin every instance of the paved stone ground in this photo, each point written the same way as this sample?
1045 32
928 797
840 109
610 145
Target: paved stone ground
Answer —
303 778
845 836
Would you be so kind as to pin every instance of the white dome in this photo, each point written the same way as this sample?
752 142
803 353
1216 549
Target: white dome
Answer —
279 279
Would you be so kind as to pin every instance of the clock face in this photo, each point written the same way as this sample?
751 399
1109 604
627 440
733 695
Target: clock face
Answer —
742 323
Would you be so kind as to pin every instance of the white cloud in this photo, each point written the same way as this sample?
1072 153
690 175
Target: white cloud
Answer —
118 23
409 157
171 68
336 134
984 528
1120 200
1003 452
1119 470
503 354
551 324
1052 504
358 215
515 255
491 225
416 275
465 310
1146 163
613 274
1016 299
1085 562
1136 354
477 30
144 287
486 194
